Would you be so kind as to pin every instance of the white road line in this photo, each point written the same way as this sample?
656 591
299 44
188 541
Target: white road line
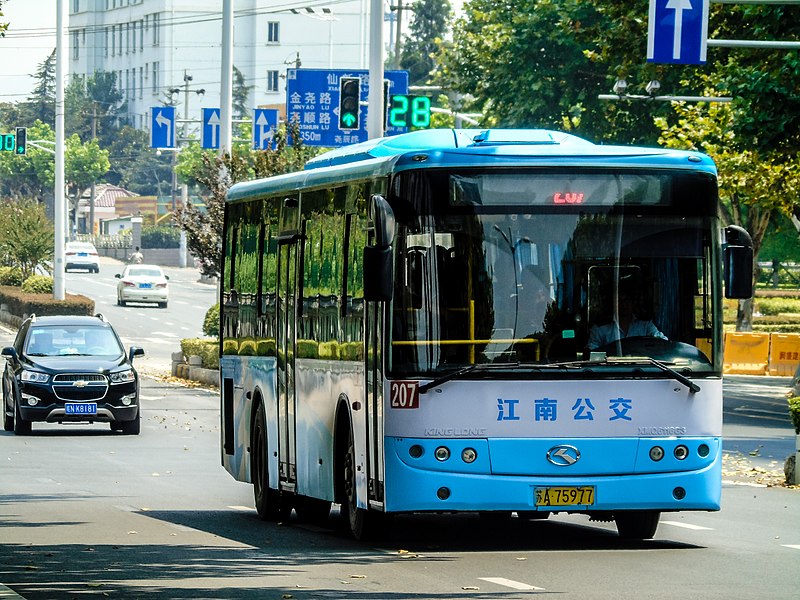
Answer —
511 583
247 508
792 546
687 525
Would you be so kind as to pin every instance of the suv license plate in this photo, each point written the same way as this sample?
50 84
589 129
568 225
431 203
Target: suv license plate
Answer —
564 496
80 408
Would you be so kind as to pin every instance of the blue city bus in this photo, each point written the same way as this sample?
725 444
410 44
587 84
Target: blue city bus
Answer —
510 322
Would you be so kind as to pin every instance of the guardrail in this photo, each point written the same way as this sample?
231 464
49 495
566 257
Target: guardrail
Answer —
762 353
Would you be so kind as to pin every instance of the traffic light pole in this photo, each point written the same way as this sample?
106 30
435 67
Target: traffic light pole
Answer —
375 114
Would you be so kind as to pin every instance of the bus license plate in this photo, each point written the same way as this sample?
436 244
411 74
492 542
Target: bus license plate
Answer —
80 408
564 496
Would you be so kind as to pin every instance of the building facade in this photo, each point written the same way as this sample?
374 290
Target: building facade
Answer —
156 47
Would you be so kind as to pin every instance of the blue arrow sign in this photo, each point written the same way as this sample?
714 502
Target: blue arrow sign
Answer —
312 101
677 31
209 134
265 122
162 126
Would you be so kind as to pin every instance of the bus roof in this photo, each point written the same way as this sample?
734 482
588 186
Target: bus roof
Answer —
454 148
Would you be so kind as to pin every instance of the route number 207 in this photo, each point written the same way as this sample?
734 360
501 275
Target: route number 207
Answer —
405 394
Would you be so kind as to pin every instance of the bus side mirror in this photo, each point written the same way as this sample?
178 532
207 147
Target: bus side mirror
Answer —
378 274
738 257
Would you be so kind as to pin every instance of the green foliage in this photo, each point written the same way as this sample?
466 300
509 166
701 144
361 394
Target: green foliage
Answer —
329 350
161 237
794 412
777 306
11 276
429 24
38 284
26 236
207 350
211 321
266 348
247 347
230 347
217 174
307 349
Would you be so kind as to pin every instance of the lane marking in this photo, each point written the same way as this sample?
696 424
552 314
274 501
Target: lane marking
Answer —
792 546
516 585
245 508
687 526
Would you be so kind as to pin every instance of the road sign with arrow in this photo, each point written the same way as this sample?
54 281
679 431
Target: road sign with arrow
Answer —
677 31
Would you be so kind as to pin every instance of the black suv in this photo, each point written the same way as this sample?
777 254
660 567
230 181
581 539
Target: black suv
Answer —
70 369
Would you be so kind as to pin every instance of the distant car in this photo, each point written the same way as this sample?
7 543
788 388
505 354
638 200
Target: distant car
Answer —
70 369
81 255
142 283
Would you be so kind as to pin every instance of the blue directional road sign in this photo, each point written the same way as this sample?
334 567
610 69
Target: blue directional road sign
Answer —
162 126
265 122
677 31
312 101
209 134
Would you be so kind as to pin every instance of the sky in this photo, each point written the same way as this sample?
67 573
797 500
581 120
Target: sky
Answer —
29 41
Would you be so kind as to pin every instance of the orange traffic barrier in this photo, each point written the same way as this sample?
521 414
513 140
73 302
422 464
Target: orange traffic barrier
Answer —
784 354
746 353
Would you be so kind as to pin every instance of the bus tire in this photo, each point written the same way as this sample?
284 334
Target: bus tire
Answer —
266 499
360 523
637 524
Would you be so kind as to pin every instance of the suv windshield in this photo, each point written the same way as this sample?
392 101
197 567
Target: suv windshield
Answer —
72 340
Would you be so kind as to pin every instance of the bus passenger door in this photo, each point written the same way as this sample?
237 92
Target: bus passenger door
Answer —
286 341
373 320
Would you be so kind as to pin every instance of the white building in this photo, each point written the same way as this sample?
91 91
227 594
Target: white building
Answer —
155 46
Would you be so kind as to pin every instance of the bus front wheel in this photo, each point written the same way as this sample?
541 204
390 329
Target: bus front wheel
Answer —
637 524
266 499
362 524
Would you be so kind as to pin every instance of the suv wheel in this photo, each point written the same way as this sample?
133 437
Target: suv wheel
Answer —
21 426
132 427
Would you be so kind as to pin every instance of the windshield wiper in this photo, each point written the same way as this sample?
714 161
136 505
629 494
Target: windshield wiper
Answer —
463 371
693 387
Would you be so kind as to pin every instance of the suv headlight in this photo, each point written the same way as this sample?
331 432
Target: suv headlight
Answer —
123 376
35 377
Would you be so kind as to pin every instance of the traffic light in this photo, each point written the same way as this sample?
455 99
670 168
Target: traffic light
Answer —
22 140
349 102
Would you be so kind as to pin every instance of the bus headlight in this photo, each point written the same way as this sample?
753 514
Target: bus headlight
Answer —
468 455
442 453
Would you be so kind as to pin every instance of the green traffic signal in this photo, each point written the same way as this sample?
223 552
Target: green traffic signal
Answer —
22 140
349 102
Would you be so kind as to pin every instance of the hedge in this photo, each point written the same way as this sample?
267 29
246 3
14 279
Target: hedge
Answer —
206 349
21 303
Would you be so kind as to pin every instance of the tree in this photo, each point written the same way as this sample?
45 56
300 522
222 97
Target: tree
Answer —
94 107
241 95
428 27
754 186
83 164
217 174
30 175
41 104
26 235
136 167
3 26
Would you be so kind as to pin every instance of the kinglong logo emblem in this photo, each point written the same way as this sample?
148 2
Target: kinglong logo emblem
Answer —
563 455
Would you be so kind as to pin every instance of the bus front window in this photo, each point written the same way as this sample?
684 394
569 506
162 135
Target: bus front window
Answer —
529 286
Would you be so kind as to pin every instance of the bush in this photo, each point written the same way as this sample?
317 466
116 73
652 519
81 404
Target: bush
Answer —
211 321
266 348
247 347
38 284
329 350
794 412
20 303
161 237
207 350
11 276
230 347
307 349
776 306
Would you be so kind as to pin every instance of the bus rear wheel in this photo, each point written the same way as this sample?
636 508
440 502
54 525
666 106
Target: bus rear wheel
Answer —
266 499
637 524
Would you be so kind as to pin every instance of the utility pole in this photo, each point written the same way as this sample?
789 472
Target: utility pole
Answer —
226 80
93 190
375 116
59 199
397 39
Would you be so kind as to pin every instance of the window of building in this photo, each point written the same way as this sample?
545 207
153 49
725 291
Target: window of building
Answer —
105 45
272 81
273 32
155 78
141 82
75 45
76 6
156 28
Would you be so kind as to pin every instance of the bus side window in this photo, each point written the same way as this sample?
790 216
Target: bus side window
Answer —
415 267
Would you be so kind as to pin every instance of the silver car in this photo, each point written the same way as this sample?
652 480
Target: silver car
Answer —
142 283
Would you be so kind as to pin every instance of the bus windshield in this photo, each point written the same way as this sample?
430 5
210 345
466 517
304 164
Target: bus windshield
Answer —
549 268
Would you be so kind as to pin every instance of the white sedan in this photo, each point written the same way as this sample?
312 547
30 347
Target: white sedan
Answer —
81 255
142 283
